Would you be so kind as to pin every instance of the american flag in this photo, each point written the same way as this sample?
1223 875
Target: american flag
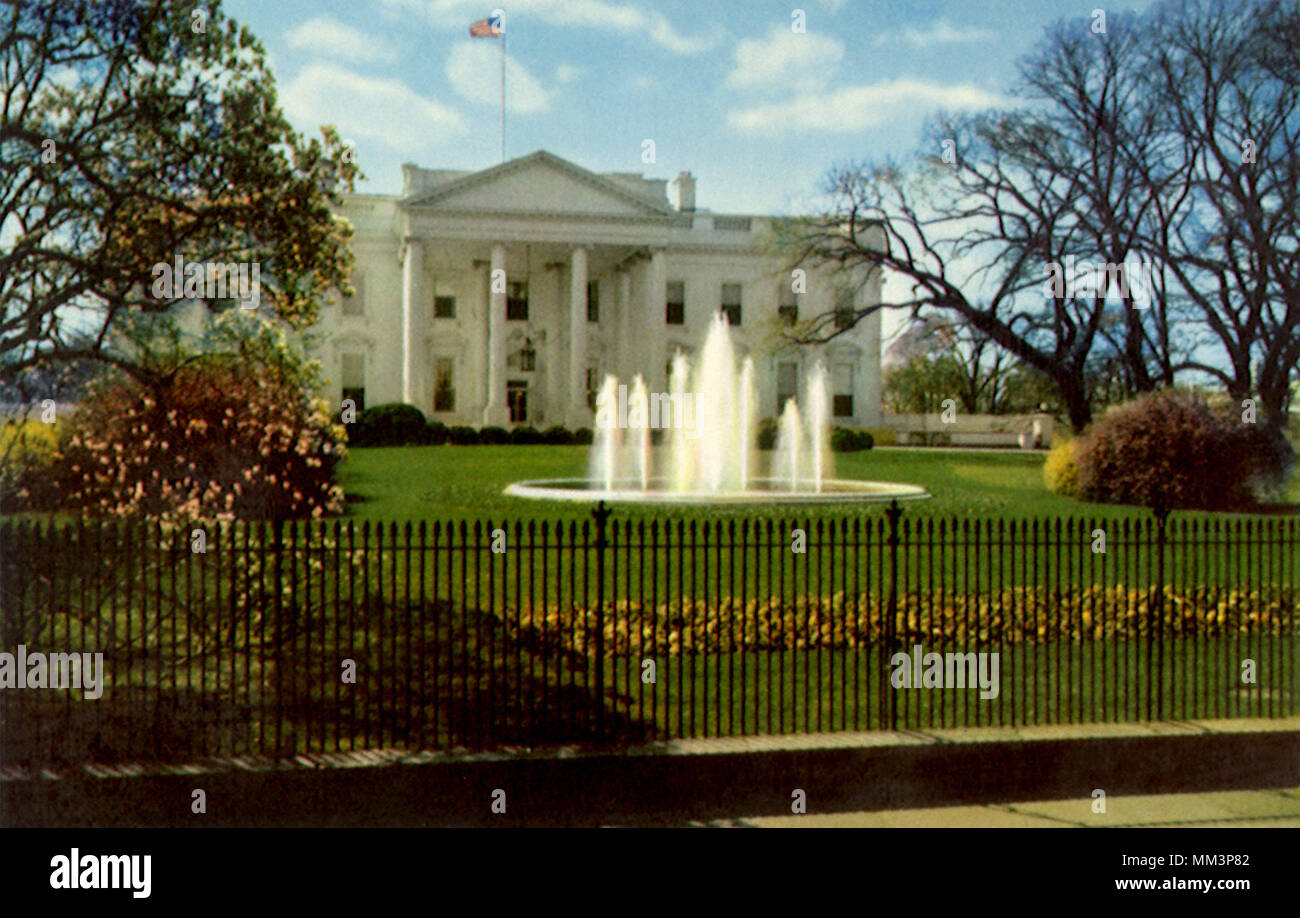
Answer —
486 28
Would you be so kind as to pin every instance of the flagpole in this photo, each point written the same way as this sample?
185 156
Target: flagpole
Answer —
503 93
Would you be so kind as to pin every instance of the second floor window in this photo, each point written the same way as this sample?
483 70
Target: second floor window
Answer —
844 310
675 298
731 303
444 307
593 301
788 308
517 301
355 305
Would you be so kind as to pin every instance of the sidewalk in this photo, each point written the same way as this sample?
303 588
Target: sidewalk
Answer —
1227 809
966 776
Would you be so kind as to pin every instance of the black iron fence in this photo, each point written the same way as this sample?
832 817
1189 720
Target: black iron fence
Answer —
290 638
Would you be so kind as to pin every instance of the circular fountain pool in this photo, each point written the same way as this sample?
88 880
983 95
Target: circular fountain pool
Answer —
708 423
760 490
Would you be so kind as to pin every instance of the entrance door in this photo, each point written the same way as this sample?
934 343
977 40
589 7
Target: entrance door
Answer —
517 400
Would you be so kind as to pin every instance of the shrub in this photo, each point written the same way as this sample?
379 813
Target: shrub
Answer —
557 436
1166 449
462 435
27 455
1060 471
493 436
217 439
393 424
437 434
847 440
767 431
525 436
583 436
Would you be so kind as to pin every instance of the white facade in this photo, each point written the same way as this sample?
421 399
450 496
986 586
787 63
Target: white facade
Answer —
429 328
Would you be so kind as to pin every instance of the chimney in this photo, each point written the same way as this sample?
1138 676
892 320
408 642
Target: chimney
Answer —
684 191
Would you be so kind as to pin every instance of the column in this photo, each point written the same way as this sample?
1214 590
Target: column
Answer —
652 350
412 265
622 355
868 377
496 413
473 410
579 415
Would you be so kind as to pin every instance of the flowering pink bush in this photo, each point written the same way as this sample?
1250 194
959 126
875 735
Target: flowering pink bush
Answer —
213 440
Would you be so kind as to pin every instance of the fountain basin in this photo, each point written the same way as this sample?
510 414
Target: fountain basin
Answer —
760 490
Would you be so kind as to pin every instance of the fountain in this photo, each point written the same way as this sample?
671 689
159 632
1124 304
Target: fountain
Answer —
709 418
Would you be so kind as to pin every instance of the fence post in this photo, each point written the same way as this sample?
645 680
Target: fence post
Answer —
1162 517
277 545
894 514
601 515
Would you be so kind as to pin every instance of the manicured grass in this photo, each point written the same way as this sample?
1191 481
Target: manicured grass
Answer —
466 482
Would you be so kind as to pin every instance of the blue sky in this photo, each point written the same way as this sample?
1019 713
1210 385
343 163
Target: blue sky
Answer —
726 90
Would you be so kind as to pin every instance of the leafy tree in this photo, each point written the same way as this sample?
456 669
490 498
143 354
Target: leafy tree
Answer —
133 132
220 424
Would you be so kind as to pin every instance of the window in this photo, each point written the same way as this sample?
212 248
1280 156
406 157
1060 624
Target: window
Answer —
593 301
844 310
528 357
355 305
354 379
444 307
842 397
517 301
444 389
675 310
517 400
593 387
788 308
731 303
787 384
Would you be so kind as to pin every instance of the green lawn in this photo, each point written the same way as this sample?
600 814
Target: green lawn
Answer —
466 482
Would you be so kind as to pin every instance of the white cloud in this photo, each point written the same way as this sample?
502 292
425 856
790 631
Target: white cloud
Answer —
855 108
784 59
328 37
628 19
474 68
364 107
941 33
566 73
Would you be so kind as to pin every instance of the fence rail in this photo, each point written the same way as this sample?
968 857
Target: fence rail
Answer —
287 638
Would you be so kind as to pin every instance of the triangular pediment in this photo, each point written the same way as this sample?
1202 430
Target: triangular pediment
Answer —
539 183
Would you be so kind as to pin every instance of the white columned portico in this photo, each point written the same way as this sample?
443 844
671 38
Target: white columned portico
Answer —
577 401
496 413
412 267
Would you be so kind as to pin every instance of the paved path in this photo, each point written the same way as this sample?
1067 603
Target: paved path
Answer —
1226 809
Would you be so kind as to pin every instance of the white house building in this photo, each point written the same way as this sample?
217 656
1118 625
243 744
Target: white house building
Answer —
598 273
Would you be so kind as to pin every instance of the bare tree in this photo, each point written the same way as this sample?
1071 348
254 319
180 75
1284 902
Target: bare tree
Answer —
1226 78
1170 140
